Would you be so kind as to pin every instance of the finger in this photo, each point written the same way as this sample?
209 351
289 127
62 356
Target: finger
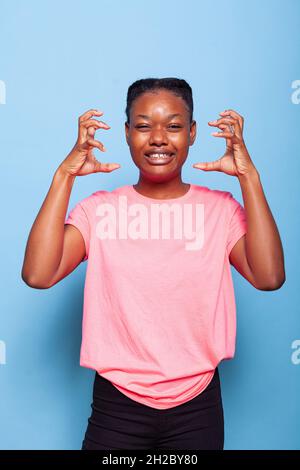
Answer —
208 166
94 123
89 127
227 135
106 167
232 123
222 121
231 112
96 144
228 127
90 113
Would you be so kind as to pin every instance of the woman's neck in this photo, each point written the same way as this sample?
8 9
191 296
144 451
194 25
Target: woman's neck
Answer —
161 190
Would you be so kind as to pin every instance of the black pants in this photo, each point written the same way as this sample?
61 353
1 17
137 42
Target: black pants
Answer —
118 422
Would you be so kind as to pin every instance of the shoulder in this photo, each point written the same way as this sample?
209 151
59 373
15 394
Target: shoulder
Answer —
213 194
217 199
101 195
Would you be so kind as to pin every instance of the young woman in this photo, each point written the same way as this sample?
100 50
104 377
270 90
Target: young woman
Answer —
159 306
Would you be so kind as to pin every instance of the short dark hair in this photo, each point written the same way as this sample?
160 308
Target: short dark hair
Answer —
176 85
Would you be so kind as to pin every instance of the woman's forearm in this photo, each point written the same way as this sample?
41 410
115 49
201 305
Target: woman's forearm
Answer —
45 242
263 244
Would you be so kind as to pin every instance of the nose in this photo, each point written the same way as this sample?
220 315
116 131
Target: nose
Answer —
158 137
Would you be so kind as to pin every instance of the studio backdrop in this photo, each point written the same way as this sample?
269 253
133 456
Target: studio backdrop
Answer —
59 59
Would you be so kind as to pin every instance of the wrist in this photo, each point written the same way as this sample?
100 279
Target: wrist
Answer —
63 176
251 174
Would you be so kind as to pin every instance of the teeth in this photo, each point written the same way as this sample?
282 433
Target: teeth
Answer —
159 155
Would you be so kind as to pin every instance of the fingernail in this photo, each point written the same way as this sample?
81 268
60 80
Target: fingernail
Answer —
104 148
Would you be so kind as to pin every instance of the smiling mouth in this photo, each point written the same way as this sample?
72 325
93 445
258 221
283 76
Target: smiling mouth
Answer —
159 158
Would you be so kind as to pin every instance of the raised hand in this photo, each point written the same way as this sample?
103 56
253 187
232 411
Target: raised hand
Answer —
236 160
81 160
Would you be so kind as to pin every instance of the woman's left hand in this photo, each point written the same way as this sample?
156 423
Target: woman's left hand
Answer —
236 160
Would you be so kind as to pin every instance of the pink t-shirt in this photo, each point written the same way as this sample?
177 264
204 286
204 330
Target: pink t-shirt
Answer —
159 307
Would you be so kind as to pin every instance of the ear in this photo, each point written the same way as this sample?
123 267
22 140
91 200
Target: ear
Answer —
127 132
193 132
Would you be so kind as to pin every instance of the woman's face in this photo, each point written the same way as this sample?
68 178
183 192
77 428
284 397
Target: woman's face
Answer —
159 126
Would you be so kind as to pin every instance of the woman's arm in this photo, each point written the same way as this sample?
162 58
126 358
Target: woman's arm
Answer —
46 242
258 255
54 249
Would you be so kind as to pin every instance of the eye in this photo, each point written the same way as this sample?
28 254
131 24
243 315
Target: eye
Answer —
172 126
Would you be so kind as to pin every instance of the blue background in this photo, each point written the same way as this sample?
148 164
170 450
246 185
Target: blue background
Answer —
58 59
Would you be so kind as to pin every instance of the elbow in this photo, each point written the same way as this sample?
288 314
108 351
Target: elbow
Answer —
272 284
33 282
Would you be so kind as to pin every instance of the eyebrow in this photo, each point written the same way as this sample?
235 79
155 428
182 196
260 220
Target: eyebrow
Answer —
170 116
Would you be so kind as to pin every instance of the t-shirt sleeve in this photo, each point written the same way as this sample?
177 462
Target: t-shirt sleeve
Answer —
237 224
78 217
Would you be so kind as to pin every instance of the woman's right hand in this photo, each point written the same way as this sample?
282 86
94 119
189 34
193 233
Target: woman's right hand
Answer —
81 160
